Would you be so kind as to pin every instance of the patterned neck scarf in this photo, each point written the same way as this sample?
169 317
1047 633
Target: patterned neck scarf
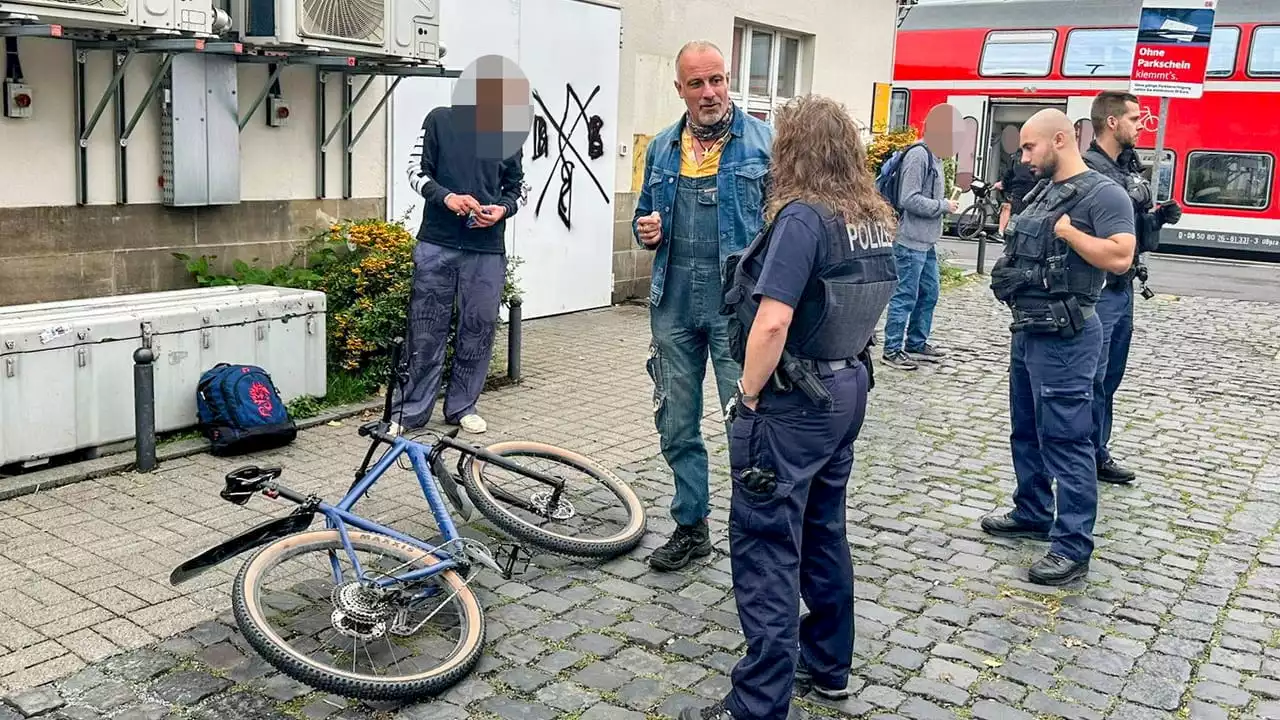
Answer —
714 131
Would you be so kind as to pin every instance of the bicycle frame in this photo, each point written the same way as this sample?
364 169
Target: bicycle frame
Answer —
338 517
243 483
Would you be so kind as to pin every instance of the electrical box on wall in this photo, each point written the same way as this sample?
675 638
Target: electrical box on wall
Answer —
277 111
200 132
18 100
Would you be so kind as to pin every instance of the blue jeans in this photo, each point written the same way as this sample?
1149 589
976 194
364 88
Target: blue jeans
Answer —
1115 310
1051 410
687 327
911 307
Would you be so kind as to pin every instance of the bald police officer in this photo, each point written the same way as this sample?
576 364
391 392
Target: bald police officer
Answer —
1077 226
1115 119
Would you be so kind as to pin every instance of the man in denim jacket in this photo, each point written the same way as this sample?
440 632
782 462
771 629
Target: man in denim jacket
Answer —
703 198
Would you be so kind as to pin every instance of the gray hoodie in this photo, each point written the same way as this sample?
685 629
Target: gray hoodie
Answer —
923 207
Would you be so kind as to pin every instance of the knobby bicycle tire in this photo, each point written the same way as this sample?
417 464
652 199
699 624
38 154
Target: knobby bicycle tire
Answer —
972 220
613 546
274 650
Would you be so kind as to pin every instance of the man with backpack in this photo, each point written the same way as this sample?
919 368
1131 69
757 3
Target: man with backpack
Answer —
913 184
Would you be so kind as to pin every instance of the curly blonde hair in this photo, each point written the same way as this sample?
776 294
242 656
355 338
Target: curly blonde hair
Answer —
819 158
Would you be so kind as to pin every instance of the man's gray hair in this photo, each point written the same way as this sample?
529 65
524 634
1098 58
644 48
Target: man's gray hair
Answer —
697 45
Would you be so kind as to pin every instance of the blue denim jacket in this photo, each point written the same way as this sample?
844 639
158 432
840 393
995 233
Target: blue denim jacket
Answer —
741 186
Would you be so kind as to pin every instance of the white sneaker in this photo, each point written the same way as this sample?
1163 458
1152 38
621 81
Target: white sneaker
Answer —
473 423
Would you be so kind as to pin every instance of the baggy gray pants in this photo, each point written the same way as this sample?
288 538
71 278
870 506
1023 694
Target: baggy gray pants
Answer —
441 277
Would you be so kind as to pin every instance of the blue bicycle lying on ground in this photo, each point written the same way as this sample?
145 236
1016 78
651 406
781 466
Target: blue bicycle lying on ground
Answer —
386 615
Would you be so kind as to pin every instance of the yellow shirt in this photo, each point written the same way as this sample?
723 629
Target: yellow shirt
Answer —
689 165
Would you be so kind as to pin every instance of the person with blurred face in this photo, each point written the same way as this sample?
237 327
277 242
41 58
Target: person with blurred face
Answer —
702 199
1115 119
1077 226
920 196
471 185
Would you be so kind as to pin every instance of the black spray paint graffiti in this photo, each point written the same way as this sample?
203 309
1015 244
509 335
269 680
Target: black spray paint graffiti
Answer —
595 149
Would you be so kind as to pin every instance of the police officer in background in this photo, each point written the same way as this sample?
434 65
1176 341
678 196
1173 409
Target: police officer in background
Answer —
803 299
1077 226
1115 119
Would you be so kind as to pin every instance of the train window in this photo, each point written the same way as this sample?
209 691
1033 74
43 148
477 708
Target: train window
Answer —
899 101
1222 51
1019 53
1264 56
1100 53
1229 179
1167 167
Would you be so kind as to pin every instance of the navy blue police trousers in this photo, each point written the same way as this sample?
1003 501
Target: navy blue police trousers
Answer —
791 543
1051 383
1115 310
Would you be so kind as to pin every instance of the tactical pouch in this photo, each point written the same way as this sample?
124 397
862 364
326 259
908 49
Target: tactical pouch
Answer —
1067 317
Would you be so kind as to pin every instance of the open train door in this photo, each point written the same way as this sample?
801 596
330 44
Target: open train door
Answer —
1079 108
974 112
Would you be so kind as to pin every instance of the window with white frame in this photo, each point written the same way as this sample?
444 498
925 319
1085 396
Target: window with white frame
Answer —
765 69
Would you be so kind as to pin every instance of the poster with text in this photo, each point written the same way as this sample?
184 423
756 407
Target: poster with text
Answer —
1172 53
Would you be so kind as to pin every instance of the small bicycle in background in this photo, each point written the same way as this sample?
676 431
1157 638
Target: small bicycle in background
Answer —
986 208
370 621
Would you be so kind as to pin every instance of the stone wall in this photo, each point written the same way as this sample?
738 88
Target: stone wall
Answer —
71 252
631 263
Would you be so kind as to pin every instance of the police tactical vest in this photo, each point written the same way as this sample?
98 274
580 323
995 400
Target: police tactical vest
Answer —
1127 173
1033 245
842 301
1126 170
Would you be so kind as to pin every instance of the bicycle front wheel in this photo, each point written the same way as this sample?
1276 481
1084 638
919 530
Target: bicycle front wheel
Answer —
971 221
596 514
348 637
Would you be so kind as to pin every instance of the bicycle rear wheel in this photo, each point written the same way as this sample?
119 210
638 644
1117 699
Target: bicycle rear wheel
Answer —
971 222
599 502
356 642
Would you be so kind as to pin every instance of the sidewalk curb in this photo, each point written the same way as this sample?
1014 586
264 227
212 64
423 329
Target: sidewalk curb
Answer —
34 482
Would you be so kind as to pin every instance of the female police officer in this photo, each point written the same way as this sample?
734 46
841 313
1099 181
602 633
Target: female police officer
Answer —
803 300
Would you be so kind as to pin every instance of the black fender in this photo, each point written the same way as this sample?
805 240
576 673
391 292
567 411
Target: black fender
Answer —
295 522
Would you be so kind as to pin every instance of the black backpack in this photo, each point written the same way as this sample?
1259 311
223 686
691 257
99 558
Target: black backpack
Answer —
241 411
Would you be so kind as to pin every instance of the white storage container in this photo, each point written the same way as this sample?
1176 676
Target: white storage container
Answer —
66 368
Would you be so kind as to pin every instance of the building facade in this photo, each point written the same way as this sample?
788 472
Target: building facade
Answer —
68 234
776 50
53 247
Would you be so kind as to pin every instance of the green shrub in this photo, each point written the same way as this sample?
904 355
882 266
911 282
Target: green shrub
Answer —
365 269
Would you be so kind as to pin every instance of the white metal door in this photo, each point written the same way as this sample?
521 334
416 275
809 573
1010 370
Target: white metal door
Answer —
565 233
971 155
567 264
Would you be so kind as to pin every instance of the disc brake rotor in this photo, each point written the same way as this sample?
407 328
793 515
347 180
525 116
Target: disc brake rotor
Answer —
542 500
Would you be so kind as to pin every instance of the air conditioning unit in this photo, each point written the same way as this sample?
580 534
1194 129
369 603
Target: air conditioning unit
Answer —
400 29
192 16
415 31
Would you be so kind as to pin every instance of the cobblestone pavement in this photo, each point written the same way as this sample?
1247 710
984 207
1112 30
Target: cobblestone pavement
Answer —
1180 616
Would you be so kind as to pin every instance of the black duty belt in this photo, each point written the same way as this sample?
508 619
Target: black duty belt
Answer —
1065 317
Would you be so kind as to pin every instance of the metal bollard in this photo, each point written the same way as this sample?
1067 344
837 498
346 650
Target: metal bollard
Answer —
513 340
144 408
982 252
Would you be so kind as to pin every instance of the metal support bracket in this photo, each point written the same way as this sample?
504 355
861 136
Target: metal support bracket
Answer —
344 123
262 96
45 31
125 52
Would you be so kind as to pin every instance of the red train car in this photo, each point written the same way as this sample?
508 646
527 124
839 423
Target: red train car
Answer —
1000 61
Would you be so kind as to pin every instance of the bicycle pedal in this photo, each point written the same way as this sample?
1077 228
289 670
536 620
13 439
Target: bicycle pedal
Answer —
508 555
